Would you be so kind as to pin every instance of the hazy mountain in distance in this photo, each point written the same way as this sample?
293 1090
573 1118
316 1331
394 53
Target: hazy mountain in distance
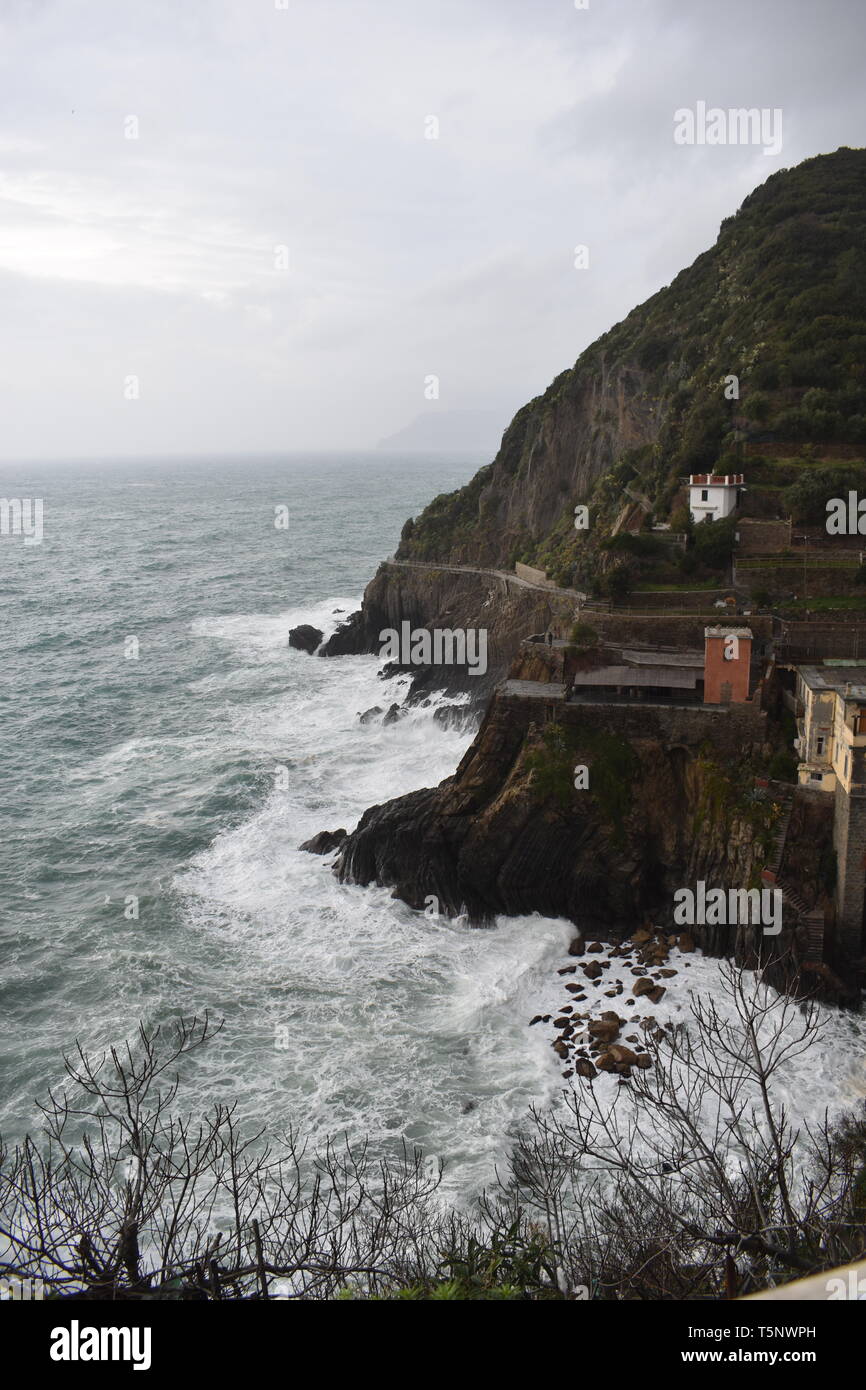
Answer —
450 429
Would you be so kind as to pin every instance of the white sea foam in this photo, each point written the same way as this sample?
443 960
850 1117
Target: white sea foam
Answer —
395 1025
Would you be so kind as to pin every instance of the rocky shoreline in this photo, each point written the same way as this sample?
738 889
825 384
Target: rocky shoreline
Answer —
594 1040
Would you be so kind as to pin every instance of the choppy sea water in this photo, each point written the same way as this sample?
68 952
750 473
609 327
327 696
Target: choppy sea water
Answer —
158 778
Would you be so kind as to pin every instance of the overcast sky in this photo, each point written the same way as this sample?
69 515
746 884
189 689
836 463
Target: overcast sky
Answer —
306 128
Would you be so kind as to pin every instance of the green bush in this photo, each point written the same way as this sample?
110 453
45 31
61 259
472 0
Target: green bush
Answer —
619 583
714 542
783 767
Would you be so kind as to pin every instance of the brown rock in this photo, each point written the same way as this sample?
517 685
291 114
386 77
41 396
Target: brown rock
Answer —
567 970
666 974
595 948
640 936
643 1060
591 971
686 941
644 986
576 946
623 1054
656 994
604 1032
583 1067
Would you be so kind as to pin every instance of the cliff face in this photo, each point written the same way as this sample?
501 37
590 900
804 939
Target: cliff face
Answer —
552 455
647 403
779 303
509 833
507 610
669 803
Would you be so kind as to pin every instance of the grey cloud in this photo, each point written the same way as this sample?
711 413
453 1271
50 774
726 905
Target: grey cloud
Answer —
305 128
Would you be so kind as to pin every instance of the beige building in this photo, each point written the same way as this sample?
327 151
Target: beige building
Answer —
831 724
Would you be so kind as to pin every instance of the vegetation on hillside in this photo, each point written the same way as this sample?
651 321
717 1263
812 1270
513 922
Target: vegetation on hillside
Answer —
780 303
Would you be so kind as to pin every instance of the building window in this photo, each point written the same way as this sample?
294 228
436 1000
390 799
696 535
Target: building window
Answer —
816 776
819 746
704 495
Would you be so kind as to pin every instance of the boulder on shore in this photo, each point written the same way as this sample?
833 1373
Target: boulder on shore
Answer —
305 638
324 842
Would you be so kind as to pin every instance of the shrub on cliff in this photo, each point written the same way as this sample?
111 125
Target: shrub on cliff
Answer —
807 498
714 542
583 637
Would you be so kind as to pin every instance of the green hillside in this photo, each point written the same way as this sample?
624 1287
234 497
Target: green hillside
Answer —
780 303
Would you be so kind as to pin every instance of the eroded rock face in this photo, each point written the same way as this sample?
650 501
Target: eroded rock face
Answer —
556 447
494 838
431 598
305 638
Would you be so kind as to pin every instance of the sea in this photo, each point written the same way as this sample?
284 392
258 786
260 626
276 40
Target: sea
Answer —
165 753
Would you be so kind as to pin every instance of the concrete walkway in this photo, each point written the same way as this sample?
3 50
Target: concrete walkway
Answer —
507 576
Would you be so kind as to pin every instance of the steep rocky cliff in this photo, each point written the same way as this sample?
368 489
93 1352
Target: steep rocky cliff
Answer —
779 303
670 802
507 610
509 833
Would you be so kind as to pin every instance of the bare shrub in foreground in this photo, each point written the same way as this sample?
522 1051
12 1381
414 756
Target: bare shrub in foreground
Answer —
688 1182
